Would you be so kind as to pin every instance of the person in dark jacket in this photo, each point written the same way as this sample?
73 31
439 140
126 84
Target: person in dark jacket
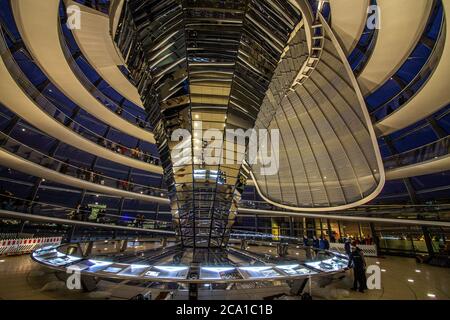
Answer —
316 243
305 241
326 244
347 246
321 243
357 262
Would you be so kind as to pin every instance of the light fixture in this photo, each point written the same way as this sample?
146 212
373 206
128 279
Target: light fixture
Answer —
290 266
418 271
431 295
102 263
23 129
383 270
256 269
218 269
411 280
170 268
139 266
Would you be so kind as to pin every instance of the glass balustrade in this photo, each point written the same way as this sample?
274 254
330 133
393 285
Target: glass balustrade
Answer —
85 213
65 167
51 109
98 94
428 152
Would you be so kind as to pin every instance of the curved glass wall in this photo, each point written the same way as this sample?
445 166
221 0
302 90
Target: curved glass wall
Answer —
67 42
59 201
68 167
26 134
422 133
359 57
414 73
430 151
51 108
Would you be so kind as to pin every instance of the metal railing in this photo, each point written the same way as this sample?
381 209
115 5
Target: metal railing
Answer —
98 94
433 211
51 109
11 203
416 84
427 152
65 167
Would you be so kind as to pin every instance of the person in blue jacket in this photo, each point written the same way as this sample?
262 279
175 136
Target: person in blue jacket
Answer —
316 243
321 244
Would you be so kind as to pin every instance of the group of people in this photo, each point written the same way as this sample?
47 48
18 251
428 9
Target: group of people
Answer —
139 221
136 153
84 213
321 243
80 213
98 177
9 202
83 173
367 240
125 185
90 175
141 123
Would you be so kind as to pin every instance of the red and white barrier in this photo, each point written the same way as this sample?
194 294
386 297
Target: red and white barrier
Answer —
22 246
